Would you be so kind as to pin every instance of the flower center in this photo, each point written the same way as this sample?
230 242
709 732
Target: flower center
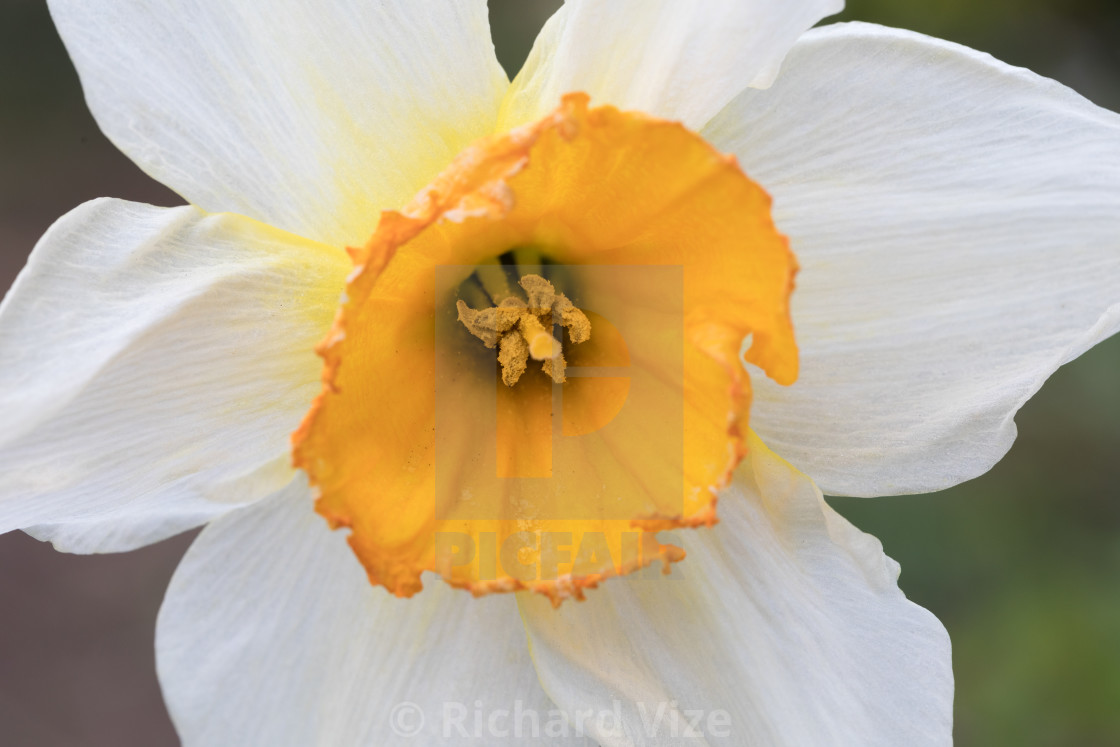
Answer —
617 404
520 327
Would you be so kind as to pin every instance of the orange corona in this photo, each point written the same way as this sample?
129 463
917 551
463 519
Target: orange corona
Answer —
438 459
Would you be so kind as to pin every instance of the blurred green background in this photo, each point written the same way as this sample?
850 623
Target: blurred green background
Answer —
1022 565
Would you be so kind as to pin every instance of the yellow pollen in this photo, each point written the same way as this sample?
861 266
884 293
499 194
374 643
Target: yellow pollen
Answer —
519 328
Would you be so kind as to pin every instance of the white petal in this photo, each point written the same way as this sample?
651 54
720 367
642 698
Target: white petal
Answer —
958 225
676 60
155 362
308 116
786 622
271 634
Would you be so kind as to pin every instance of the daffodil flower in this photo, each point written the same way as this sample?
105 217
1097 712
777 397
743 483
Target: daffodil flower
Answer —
956 223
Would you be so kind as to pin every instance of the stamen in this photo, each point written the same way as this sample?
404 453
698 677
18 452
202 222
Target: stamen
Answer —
519 329
494 280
